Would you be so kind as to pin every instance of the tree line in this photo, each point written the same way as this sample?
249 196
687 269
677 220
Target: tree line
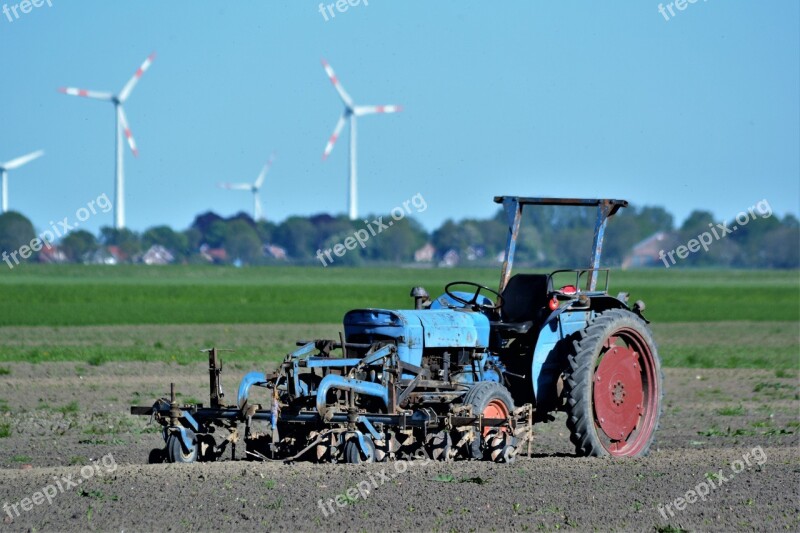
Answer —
551 237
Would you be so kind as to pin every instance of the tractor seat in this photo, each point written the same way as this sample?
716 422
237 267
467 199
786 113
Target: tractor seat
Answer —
524 298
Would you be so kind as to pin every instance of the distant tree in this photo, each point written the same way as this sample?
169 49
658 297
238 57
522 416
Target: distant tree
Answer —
750 238
241 241
350 258
631 226
790 221
265 230
532 249
244 217
215 234
326 226
574 247
493 234
126 240
15 231
780 248
298 236
78 244
203 221
397 243
697 222
175 242
450 235
194 238
653 219
624 230
721 252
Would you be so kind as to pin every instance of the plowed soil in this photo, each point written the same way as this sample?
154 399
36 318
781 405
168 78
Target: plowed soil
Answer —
72 458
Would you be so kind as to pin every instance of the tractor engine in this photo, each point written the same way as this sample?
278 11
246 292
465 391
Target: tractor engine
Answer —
451 344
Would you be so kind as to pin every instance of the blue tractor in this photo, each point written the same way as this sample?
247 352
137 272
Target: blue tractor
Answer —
465 375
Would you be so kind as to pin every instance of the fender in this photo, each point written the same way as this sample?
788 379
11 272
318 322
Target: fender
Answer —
548 357
548 361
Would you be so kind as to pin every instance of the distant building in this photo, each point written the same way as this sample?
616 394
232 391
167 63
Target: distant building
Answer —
645 253
117 253
276 252
101 256
475 252
51 254
450 259
157 255
213 255
425 254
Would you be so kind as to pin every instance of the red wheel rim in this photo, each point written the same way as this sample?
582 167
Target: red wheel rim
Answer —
625 394
495 409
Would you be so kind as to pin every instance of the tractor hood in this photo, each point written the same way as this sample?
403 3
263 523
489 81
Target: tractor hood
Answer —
414 330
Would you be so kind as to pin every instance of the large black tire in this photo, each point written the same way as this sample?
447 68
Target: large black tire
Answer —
614 387
489 399
157 456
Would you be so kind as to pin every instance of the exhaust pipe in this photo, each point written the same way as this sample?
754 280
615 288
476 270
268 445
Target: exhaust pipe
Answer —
250 379
332 381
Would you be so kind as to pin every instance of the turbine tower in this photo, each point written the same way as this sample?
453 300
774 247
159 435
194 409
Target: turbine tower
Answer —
351 112
254 188
11 165
122 128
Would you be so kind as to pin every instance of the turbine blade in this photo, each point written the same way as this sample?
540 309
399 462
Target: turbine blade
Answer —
260 180
97 95
126 130
373 109
18 162
334 136
236 186
337 85
126 91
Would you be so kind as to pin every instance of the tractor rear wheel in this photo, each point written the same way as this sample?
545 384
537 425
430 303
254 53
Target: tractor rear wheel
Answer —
613 387
491 400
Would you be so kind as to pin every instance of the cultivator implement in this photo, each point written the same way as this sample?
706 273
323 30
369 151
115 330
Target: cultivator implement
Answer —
315 407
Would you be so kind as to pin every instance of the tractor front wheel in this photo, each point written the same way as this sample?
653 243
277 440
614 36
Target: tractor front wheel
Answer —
614 387
490 400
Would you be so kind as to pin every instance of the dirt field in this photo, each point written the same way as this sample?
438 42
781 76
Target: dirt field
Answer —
58 418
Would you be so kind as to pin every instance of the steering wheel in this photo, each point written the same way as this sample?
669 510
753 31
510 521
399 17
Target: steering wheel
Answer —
473 303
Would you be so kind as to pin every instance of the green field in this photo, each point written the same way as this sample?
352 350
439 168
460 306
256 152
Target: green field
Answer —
95 314
49 295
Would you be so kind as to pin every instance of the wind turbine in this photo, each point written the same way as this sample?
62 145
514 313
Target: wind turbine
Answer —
254 188
122 128
351 112
11 165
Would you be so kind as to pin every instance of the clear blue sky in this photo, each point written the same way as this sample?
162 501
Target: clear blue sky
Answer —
525 97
